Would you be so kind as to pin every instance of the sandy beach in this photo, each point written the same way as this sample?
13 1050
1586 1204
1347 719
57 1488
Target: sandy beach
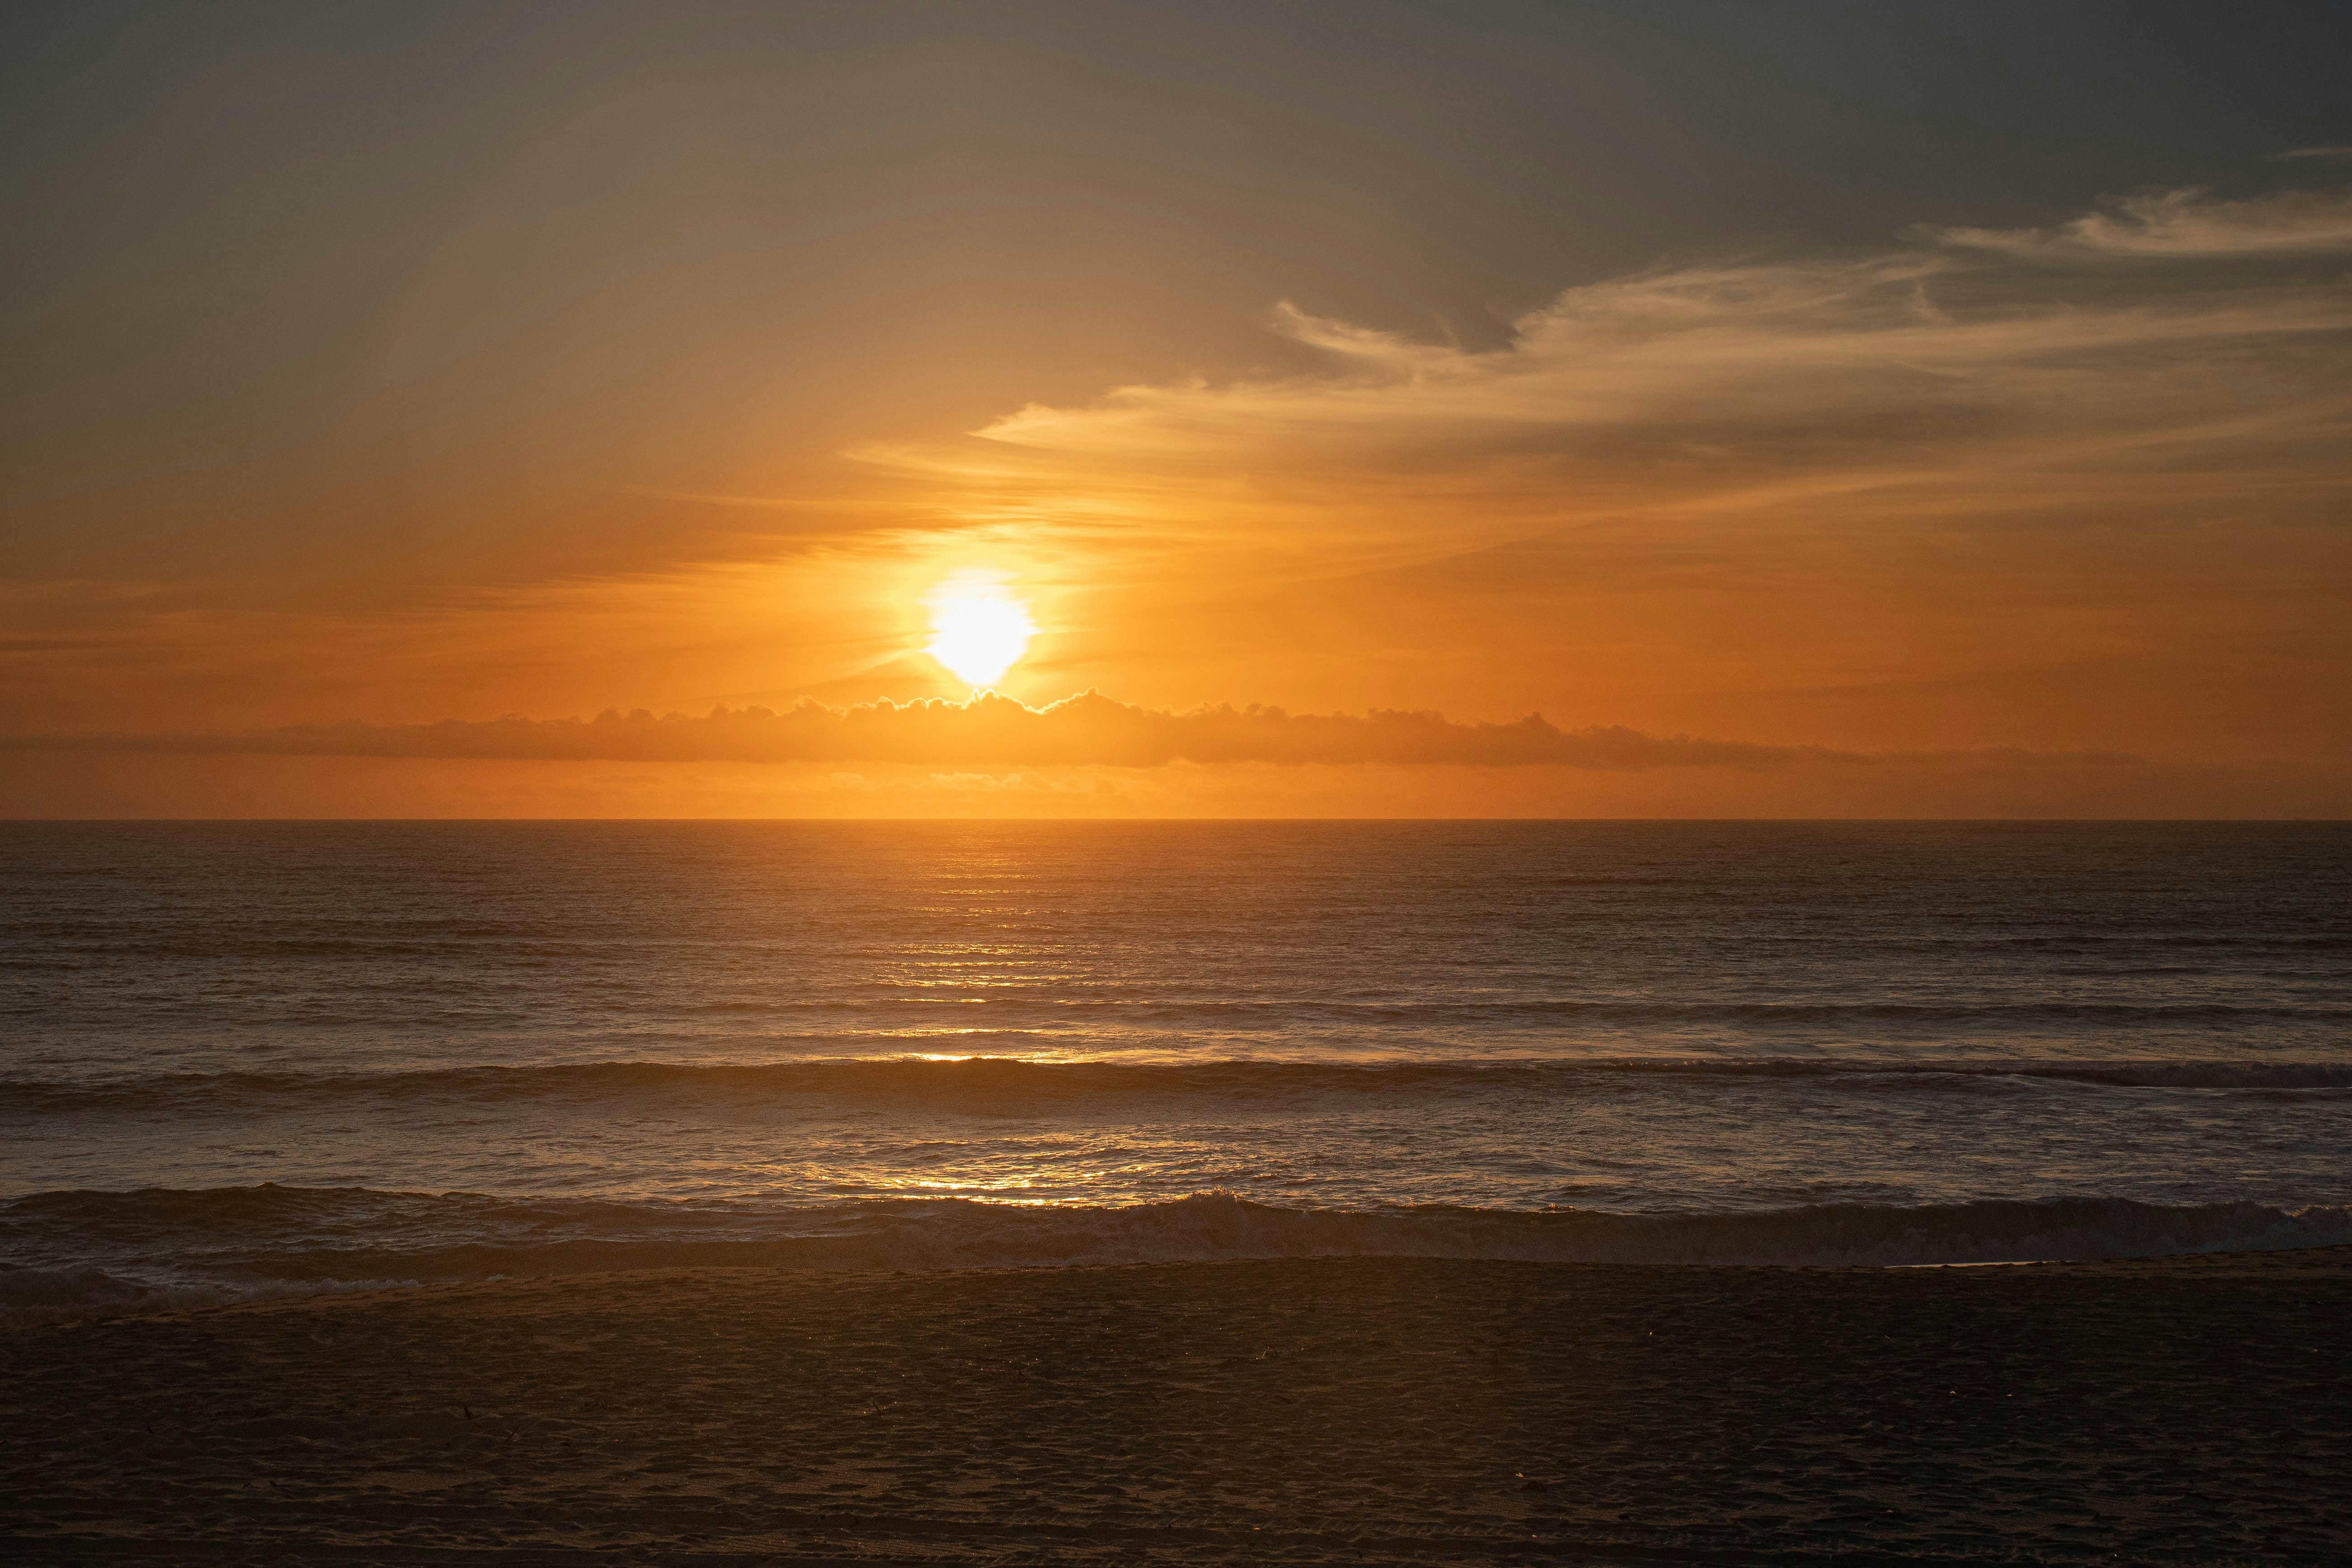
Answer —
2174 1410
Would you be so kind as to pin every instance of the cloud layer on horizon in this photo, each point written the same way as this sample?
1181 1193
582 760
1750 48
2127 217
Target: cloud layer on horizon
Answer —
1087 730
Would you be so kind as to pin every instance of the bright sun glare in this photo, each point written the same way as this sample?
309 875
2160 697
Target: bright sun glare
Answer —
977 629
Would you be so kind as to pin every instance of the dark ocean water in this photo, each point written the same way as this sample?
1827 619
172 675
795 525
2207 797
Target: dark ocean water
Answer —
256 1056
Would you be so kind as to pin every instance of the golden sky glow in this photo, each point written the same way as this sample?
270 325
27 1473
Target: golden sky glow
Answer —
1540 367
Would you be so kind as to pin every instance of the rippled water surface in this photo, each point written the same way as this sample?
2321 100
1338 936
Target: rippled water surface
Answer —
625 1035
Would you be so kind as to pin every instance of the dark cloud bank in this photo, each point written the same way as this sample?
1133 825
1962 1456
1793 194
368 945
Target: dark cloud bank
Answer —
1087 730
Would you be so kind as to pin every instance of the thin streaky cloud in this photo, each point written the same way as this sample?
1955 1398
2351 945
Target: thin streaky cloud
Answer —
2185 224
1963 377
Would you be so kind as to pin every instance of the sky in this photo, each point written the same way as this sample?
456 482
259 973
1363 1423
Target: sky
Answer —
1655 408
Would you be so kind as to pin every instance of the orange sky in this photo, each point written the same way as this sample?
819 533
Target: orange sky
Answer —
611 398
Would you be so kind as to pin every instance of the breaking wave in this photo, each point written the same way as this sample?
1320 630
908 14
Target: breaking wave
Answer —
1044 1083
29 1296
86 1253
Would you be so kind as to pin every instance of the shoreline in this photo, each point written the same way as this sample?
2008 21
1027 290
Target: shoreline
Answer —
2190 1408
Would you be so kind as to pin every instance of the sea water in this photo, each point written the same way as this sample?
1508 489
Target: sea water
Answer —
246 1057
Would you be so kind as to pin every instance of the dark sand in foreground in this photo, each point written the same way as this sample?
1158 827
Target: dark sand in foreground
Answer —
1353 1411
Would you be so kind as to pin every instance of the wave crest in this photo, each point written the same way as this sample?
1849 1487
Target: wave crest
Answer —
965 1079
164 1249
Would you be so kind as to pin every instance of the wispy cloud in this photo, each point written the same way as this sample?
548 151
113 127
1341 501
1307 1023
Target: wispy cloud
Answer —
2186 224
1964 377
1087 730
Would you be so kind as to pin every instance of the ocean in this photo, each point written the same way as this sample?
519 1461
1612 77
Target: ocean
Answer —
248 1059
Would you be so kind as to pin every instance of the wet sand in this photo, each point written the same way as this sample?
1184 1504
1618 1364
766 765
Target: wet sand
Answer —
2193 1410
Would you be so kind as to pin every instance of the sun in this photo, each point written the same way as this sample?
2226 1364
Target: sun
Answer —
979 630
